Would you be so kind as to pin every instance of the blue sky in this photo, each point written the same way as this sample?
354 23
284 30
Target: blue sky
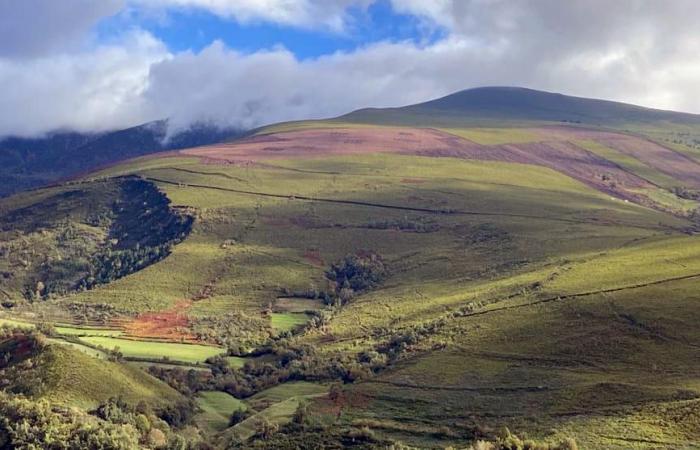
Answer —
193 29
109 64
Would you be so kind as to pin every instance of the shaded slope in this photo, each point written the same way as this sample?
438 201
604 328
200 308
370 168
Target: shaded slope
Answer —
31 162
76 237
519 104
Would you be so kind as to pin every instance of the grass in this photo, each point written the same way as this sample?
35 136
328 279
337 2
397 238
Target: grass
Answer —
217 409
188 353
279 413
629 163
286 391
288 321
235 362
277 405
297 305
83 348
79 331
496 136
309 125
595 358
16 323
255 260
72 377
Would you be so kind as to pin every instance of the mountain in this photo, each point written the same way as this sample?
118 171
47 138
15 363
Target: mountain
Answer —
31 162
520 104
477 275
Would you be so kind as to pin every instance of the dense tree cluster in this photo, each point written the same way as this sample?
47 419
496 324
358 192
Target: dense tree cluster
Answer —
30 424
236 331
356 273
288 364
141 229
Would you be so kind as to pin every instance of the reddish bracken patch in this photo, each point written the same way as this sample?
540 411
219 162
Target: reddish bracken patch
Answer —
664 159
340 400
325 142
171 324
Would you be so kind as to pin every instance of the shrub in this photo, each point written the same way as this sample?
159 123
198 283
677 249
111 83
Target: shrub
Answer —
238 416
264 429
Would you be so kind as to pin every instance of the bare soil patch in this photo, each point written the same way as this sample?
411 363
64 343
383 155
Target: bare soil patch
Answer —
171 324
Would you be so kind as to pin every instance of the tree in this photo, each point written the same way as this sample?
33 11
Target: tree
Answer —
301 415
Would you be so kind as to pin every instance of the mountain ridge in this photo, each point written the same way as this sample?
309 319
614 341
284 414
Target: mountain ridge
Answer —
519 103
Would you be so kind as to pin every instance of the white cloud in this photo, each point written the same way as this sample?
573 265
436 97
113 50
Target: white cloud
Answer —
640 51
93 90
330 14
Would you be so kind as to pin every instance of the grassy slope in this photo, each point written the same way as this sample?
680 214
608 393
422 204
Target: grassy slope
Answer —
217 408
73 378
57 226
528 235
613 369
249 273
277 405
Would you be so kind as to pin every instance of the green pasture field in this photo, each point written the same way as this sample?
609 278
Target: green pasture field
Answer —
189 353
235 361
288 321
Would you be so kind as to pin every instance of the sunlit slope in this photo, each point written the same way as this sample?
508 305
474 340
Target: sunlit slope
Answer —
604 350
67 376
485 218
531 292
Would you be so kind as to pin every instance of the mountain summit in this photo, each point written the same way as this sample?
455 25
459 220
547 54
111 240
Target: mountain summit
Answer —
522 104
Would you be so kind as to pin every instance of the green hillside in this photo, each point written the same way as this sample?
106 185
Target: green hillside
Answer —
502 109
372 285
63 375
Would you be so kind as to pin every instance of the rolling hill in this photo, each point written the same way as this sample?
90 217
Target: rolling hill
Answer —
427 276
521 104
67 376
